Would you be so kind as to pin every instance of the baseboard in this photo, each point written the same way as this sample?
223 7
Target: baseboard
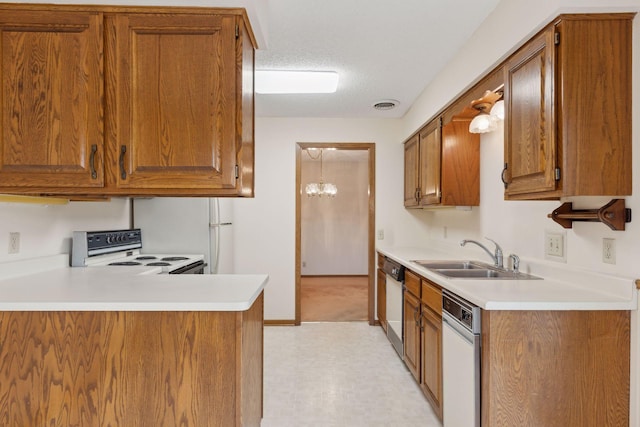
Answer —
279 322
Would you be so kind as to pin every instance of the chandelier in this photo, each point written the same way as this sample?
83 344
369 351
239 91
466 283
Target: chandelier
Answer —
320 188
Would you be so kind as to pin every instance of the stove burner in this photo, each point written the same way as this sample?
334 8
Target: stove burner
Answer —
159 263
146 257
174 258
125 263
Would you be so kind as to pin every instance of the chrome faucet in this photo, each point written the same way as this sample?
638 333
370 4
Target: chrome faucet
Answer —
496 256
515 261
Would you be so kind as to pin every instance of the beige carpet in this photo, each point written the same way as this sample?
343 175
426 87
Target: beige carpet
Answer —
333 298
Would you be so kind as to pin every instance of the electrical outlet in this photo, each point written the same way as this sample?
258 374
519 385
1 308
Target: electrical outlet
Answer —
609 251
554 246
381 234
14 242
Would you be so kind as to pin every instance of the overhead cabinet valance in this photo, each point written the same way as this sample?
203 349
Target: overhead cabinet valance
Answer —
126 101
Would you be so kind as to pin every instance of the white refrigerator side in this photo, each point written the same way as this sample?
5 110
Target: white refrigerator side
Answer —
221 232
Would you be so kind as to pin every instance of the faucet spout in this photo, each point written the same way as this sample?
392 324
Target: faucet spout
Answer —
497 256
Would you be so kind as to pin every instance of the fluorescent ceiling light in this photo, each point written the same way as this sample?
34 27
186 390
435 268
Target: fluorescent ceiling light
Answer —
271 81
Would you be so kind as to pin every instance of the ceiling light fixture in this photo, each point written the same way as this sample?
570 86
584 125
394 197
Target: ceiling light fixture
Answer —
283 82
319 188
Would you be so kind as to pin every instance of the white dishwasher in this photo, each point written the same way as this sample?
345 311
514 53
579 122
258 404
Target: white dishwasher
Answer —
460 362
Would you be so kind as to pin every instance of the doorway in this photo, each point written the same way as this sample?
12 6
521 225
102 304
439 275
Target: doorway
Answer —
306 152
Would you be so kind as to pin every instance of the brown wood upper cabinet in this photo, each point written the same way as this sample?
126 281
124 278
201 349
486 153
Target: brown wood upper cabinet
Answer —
568 110
442 166
175 116
52 99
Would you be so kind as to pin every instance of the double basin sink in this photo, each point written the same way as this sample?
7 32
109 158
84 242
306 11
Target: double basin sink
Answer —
473 270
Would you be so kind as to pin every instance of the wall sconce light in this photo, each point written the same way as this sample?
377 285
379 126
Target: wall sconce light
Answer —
491 109
497 110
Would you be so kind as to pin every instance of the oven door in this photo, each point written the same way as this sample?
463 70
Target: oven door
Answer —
195 268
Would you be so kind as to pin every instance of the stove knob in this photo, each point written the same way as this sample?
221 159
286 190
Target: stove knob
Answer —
109 238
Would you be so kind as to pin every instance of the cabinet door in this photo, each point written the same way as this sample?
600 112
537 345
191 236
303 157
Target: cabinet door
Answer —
175 101
430 162
382 299
530 136
411 170
431 358
412 334
52 99
460 165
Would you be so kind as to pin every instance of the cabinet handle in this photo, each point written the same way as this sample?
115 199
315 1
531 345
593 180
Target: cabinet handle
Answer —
504 171
123 172
418 194
416 316
92 161
420 321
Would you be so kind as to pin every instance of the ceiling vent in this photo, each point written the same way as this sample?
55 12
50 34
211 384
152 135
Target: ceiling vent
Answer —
386 104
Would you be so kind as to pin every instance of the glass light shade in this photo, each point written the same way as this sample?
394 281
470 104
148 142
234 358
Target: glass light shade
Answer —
280 82
483 123
497 110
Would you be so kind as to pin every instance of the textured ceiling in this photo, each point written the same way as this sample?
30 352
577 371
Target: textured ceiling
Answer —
382 49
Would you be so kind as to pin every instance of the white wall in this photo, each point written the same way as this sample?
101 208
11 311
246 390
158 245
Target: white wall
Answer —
334 230
265 225
46 229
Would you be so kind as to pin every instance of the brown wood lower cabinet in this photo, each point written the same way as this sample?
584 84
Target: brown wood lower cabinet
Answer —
423 336
555 368
131 368
382 299
412 334
431 358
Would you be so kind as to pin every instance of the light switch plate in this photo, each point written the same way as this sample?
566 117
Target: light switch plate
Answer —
609 251
14 242
555 247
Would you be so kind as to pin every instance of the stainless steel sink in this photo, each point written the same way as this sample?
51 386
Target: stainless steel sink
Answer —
486 274
473 270
452 265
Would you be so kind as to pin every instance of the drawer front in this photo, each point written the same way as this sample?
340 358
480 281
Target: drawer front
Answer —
432 296
412 282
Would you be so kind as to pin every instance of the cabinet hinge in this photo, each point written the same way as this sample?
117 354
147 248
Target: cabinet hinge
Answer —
237 31
556 38
557 174
237 174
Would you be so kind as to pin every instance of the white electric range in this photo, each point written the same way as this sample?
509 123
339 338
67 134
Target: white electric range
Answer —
124 248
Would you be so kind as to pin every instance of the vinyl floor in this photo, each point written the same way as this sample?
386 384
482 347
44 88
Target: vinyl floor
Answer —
338 374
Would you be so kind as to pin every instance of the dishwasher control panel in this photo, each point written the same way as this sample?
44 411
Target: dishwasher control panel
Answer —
462 310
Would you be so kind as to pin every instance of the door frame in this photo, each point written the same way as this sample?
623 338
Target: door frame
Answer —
371 259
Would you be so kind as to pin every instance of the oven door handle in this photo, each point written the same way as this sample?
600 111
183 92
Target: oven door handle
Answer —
190 269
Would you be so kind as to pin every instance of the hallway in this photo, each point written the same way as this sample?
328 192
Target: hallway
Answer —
338 375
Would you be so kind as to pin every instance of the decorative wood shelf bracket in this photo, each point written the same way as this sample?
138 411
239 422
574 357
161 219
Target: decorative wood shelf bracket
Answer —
613 214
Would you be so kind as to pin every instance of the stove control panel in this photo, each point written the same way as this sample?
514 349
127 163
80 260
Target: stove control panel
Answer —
86 244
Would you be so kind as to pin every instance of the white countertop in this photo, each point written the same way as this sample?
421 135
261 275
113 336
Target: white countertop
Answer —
562 287
50 285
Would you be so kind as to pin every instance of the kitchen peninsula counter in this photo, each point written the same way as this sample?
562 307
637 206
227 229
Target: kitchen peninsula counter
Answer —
127 346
